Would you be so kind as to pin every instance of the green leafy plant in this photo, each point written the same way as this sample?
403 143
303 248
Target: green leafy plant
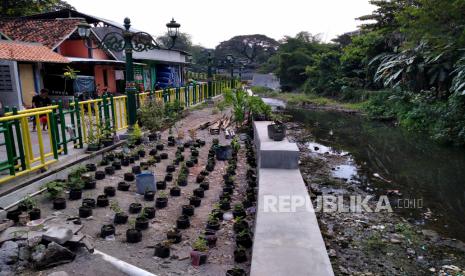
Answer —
162 194
200 245
114 206
77 172
75 183
132 223
28 202
151 115
55 188
238 207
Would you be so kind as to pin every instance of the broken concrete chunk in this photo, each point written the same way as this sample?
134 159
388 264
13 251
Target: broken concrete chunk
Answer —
54 255
9 253
58 234
14 233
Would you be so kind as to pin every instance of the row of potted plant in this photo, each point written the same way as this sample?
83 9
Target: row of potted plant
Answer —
174 235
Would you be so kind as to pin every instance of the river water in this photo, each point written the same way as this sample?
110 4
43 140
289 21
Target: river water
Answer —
385 158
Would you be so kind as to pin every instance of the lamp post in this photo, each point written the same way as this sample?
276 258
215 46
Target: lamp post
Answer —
210 75
231 60
129 42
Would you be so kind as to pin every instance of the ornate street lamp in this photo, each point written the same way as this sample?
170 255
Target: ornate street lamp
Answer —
129 42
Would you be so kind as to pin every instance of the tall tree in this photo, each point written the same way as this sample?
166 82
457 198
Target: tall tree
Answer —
13 8
253 49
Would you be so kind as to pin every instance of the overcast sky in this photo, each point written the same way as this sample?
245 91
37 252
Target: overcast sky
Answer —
210 22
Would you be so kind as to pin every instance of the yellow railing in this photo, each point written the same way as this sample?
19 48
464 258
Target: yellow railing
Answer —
30 158
120 113
88 120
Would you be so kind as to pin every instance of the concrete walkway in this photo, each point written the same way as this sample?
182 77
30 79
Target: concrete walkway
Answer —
287 239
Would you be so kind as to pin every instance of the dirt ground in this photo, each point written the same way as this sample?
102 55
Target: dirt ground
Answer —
220 258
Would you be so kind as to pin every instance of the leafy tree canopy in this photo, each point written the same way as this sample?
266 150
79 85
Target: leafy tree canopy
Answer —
12 8
252 49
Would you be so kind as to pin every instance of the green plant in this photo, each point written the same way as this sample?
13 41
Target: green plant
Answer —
114 206
212 218
69 74
77 172
162 194
136 132
238 100
28 202
93 137
238 207
75 183
235 144
108 132
151 115
55 189
375 242
200 245
132 223
243 233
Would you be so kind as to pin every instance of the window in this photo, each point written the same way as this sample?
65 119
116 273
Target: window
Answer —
6 84
105 77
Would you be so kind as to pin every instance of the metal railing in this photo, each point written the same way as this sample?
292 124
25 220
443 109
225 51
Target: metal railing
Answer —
80 123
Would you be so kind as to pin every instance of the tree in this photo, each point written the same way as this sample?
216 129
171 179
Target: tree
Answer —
254 49
385 17
199 58
293 57
14 8
183 41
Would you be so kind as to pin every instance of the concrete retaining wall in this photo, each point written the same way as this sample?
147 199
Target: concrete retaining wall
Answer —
286 242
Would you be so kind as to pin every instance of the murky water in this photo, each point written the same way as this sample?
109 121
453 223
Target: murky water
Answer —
389 158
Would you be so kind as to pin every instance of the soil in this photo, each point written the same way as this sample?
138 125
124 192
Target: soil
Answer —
371 243
220 258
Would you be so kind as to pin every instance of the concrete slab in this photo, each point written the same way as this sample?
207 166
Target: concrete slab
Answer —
287 242
272 154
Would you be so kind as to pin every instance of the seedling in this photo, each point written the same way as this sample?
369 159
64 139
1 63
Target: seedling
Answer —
200 245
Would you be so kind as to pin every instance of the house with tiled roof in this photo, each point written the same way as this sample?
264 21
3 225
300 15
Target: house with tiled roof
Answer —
96 67
19 80
165 67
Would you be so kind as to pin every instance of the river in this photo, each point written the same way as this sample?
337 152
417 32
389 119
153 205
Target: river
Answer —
411 163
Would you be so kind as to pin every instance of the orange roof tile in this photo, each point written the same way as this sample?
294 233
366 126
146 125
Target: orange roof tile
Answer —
20 51
49 32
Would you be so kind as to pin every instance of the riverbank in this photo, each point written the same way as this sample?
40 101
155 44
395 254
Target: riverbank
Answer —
369 243
314 102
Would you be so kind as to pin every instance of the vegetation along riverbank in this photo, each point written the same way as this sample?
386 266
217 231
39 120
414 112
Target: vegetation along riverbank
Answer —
403 64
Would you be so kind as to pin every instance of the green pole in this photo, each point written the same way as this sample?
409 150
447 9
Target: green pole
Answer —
130 83
210 76
20 139
54 134
9 148
194 94
63 128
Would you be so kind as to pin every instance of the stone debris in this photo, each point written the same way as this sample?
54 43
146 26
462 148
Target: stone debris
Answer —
58 234
40 245
53 255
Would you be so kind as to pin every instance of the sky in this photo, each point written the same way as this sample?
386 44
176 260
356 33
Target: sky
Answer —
210 22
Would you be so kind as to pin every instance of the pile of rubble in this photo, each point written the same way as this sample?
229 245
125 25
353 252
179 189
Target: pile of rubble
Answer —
40 244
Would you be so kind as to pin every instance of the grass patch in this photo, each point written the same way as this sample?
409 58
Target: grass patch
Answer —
407 231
